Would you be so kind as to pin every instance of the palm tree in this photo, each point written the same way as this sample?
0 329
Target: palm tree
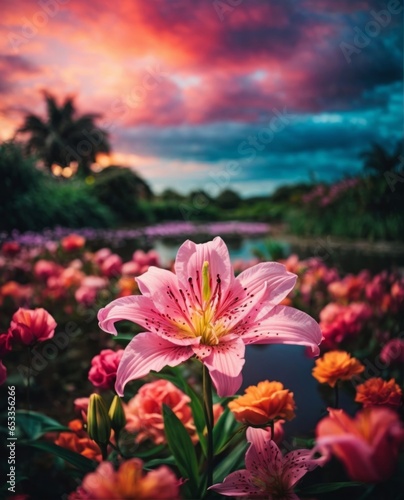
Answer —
64 138
379 160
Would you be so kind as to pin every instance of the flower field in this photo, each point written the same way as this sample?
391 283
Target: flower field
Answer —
123 379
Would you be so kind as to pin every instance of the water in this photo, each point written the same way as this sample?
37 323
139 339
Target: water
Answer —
346 259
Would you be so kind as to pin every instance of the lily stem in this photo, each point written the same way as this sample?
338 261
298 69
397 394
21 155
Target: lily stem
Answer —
208 411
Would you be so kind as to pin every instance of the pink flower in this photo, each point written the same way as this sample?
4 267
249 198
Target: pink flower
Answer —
101 255
86 296
95 282
44 269
203 310
129 481
368 445
32 325
393 352
112 265
87 293
151 258
103 368
144 412
3 373
268 474
130 269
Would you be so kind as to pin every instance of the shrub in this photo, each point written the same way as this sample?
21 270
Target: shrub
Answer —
121 190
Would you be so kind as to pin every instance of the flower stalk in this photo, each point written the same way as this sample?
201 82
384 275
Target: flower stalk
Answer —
208 411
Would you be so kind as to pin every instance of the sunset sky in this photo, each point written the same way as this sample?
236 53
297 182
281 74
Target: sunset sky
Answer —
284 89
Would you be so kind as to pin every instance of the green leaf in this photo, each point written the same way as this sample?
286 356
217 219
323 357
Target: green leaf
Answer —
159 461
223 431
34 425
149 453
124 336
181 447
232 462
195 404
79 461
327 487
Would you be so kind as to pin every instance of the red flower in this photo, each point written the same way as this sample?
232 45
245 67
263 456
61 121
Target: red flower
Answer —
32 325
10 248
72 242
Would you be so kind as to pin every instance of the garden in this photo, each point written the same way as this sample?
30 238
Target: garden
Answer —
124 378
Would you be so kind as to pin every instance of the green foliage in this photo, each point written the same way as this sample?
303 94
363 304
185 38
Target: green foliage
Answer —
81 462
33 425
18 173
121 190
370 210
183 450
228 199
33 200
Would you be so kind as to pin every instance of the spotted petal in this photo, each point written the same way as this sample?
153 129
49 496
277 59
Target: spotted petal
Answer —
140 310
225 362
285 325
237 484
145 352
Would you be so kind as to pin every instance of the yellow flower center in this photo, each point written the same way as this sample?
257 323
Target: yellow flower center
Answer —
203 320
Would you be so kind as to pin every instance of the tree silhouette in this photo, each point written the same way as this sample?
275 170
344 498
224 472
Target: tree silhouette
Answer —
378 160
63 137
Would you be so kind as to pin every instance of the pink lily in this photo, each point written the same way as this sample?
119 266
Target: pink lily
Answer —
268 474
203 310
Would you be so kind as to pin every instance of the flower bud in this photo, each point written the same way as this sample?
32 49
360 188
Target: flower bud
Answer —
98 421
117 414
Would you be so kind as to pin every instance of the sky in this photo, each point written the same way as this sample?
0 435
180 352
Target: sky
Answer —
209 94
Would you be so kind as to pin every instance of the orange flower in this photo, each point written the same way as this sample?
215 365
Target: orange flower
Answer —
336 365
129 481
83 445
378 392
72 242
263 403
127 286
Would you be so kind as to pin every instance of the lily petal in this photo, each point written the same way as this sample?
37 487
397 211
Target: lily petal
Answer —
263 457
189 262
145 352
286 325
279 281
140 310
297 463
237 484
225 362
132 308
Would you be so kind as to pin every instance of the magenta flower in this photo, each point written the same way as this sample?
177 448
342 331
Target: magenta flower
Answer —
203 310
268 474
